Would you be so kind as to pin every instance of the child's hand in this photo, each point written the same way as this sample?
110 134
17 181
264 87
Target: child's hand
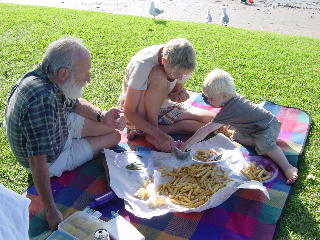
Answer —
182 147
225 130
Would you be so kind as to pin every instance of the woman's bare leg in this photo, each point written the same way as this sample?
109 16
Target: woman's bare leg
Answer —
189 121
155 94
182 127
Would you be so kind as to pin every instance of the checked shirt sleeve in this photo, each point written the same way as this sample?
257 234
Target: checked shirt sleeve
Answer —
43 128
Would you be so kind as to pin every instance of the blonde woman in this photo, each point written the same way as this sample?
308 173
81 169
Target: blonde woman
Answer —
153 94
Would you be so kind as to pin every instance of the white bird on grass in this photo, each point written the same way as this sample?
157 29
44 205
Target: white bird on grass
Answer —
154 11
225 17
209 17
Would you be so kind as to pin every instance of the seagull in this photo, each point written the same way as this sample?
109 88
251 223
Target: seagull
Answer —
225 17
209 17
154 11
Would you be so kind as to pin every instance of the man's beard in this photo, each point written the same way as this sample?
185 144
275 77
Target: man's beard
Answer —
70 88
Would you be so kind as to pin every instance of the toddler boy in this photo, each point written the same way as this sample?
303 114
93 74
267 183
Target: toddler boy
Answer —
254 126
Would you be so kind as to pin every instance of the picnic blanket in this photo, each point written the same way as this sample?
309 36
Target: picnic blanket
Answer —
247 214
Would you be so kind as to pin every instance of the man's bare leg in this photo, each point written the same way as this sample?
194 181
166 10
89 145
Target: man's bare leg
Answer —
99 135
93 128
105 141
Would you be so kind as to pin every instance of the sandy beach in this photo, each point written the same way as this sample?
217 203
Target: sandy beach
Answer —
295 17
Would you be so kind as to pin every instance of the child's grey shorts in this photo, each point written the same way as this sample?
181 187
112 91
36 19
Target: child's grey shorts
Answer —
264 141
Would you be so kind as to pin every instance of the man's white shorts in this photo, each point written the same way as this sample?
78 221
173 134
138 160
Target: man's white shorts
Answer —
76 151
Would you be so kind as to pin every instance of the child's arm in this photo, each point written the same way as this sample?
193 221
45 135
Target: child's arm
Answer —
200 134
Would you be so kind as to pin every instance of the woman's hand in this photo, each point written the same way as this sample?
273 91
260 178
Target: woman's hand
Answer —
162 141
179 95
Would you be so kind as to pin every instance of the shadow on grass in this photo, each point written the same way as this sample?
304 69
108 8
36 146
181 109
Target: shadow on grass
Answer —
30 180
160 22
301 223
296 218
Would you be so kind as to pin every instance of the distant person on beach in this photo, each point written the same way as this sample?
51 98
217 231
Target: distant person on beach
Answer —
50 128
254 126
153 94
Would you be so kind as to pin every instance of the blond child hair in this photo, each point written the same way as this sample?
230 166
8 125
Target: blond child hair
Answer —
218 81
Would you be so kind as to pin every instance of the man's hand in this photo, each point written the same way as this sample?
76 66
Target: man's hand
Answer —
54 217
113 119
179 95
121 123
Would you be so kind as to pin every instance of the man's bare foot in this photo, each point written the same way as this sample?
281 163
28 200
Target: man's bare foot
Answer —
291 174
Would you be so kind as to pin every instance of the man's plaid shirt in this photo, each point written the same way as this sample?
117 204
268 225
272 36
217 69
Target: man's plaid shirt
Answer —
36 118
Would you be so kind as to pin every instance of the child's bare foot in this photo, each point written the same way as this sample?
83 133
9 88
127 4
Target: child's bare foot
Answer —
291 174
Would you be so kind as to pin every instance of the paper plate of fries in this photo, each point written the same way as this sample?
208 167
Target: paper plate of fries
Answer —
192 186
260 169
206 156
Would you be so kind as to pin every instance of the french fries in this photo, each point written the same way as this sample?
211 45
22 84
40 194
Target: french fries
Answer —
204 155
258 173
192 186
142 192
157 202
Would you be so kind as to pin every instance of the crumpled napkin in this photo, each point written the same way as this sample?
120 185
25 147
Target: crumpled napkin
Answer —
126 182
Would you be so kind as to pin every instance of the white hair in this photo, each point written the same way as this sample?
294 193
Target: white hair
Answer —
179 54
217 82
71 89
61 53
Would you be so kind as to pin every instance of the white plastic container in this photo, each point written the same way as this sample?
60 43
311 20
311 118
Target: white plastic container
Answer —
82 226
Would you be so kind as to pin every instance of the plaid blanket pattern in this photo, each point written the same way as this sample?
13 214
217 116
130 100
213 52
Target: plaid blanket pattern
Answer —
246 215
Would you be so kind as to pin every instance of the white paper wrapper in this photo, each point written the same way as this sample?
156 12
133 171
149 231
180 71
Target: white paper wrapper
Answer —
126 182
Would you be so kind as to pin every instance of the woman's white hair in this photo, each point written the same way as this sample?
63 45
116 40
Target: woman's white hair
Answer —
217 82
179 54
61 53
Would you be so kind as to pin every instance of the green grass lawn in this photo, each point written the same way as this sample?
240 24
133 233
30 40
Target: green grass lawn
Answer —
266 66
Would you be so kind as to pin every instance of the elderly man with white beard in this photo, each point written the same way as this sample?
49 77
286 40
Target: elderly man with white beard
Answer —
50 128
